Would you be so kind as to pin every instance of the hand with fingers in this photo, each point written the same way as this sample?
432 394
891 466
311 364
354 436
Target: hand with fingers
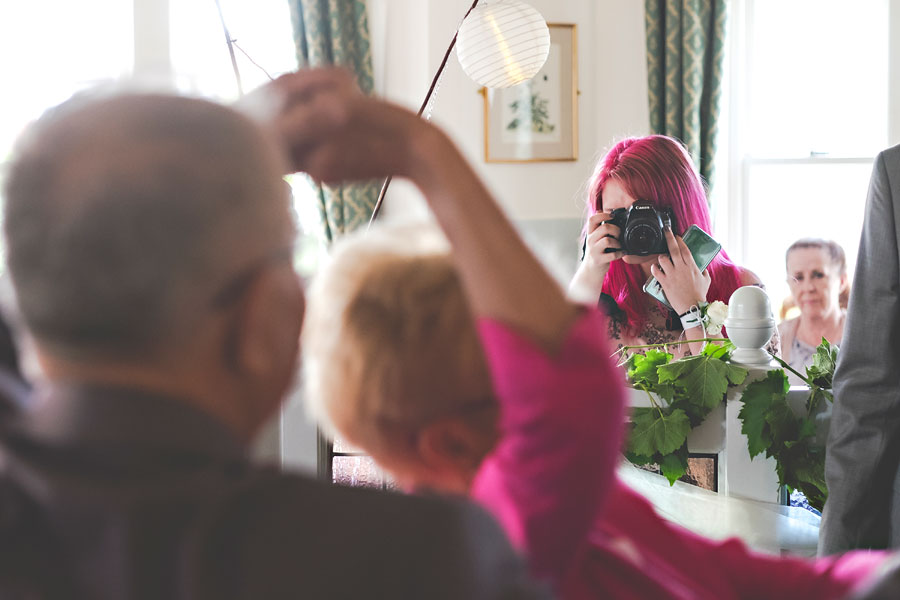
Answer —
683 283
602 247
333 132
603 244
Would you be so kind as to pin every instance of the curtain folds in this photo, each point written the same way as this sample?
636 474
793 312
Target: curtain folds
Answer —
685 52
335 32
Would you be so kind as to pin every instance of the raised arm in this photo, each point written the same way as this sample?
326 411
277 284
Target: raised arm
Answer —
561 401
863 452
336 134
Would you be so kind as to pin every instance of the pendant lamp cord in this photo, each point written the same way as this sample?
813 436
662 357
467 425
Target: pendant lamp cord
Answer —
431 89
230 42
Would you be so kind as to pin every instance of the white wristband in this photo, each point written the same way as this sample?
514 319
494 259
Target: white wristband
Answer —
694 317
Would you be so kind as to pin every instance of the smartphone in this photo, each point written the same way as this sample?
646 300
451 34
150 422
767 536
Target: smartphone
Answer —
703 248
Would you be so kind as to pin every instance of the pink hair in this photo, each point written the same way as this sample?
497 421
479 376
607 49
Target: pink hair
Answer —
657 170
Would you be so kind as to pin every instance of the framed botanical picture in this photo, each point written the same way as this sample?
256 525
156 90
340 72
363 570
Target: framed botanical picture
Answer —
537 121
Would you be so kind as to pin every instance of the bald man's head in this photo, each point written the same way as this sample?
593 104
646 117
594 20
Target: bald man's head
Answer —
125 215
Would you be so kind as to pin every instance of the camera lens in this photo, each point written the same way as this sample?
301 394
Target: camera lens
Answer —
643 231
643 239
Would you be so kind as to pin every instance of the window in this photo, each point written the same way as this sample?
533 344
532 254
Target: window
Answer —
46 59
161 42
808 113
263 42
346 465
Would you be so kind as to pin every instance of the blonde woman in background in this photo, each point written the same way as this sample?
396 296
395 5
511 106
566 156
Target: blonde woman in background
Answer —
817 276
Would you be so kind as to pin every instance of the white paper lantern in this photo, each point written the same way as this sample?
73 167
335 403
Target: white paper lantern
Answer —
503 43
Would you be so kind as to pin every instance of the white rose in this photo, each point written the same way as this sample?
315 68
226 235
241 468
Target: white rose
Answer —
717 312
713 330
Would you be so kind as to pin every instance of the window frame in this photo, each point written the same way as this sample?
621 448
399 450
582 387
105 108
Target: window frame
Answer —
734 210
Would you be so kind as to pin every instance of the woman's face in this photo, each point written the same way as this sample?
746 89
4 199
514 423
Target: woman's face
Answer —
815 281
614 196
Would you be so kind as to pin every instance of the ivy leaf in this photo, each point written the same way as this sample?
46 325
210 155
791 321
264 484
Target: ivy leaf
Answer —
672 371
807 428
784 426
642 368
816 396
653 431
666 391
638 459
821 372
716 350
812 473
674 466
811 481
758 398
705 379
707 382
735 374
806 433
753 422
826 394
807 470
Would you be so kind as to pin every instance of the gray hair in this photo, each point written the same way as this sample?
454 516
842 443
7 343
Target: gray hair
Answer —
121 214
835 251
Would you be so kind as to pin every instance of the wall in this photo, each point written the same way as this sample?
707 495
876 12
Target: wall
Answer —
409 38
612 82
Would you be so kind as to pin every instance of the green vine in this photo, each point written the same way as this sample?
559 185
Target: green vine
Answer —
772 427
683 392
688 389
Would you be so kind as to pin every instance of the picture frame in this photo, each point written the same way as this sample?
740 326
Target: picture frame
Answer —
537 121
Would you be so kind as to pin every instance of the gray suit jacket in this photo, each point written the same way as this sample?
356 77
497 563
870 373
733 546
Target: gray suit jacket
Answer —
862 464
114 494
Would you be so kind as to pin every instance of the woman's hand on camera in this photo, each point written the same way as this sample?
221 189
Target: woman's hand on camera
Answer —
683 283
603 244
602 247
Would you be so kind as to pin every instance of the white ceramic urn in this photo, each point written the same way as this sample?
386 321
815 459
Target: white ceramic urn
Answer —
750 325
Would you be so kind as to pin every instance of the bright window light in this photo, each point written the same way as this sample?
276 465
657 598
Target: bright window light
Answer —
51 50
262 29
819 72
202 66
813 117
791 202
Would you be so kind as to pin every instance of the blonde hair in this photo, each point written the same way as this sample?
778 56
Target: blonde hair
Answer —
389 339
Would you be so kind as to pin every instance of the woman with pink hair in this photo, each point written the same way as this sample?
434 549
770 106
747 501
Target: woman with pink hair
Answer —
657 171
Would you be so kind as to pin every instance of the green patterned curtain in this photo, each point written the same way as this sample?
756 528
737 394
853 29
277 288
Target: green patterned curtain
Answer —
335 32
685 50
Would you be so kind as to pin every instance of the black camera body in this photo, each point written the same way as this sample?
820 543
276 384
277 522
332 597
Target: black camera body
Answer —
643 229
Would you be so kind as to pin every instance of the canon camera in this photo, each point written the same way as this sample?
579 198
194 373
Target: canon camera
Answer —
643 229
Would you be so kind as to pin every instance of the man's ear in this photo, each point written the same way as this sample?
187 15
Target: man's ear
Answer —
267 329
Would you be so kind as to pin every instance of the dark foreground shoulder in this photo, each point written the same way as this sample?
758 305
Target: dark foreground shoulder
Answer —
279 536
29 562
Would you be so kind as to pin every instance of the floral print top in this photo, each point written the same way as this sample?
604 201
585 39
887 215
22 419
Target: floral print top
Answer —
662 327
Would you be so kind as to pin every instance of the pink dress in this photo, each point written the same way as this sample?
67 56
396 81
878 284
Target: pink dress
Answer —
551 482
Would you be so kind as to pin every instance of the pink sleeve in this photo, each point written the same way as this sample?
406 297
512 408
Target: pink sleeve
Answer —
777 578
561 434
